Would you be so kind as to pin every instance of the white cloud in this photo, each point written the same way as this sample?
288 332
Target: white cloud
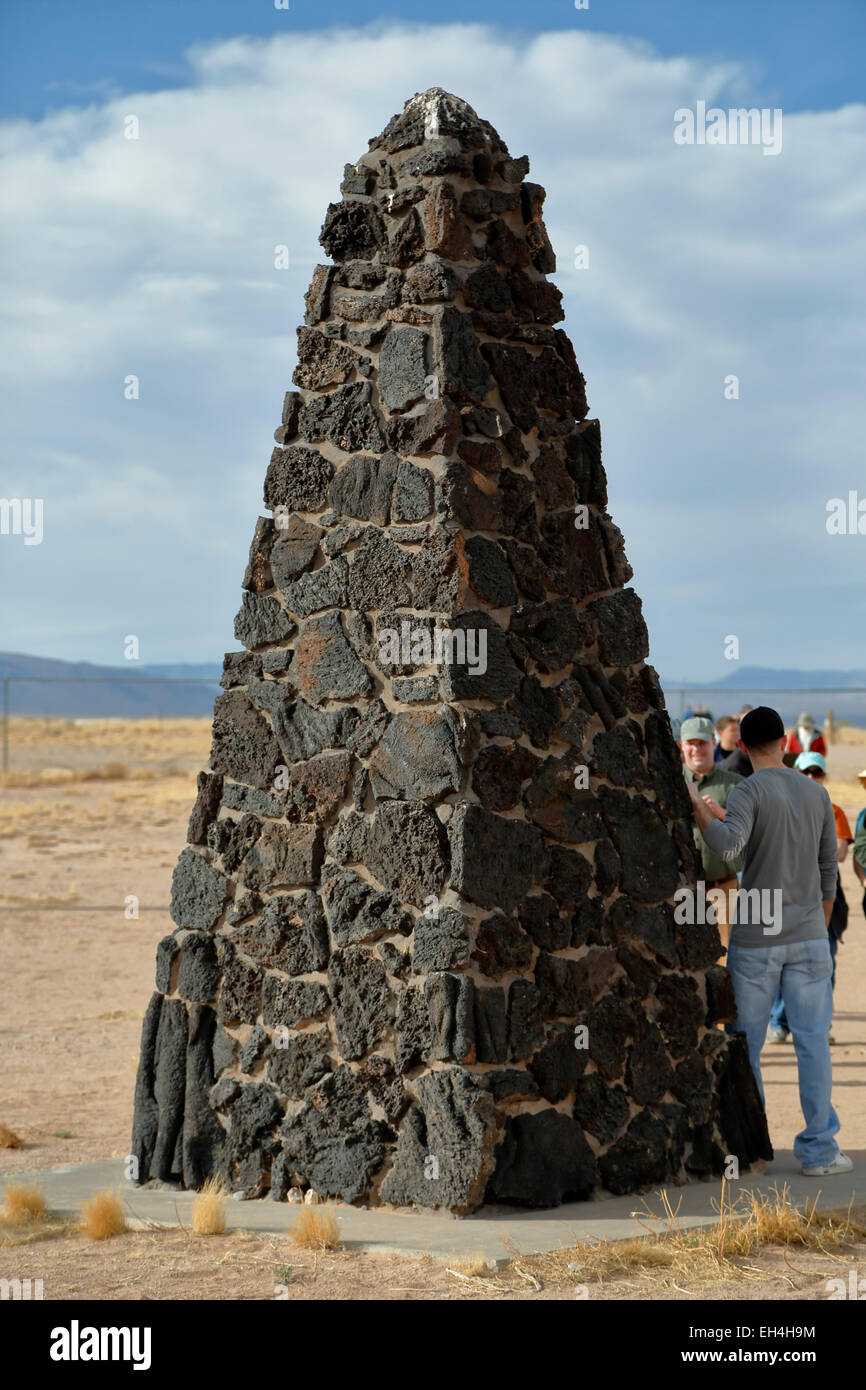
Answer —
156 257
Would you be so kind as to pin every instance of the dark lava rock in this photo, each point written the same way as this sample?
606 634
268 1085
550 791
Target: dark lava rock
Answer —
544 1160
293 550
244 747
650 870
452 1021
361 1001
413 493
291 935
418 757
501 947
649 1074
489 573
525 1032
402 368
380 573
559 1064
284 856
357 911
363 487
325 665
241 988
567 986
298 478
198 976
206 808
639 1158
333 1141
454 1123
494 861
198 892
600 1108
440 941
344 417
299 1061
261 620
412 1029
407 851
286 1003
682 1014
499 773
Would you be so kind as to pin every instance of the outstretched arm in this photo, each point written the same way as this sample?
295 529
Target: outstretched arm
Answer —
727 837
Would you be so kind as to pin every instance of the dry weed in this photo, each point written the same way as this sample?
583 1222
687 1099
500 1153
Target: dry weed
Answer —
700 1255
8 1138
22 1205
209 1209
102 1216
316 1228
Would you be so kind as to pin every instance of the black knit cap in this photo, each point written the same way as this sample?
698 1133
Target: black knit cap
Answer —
761 725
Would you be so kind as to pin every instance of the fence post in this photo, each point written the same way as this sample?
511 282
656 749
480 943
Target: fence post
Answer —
5 723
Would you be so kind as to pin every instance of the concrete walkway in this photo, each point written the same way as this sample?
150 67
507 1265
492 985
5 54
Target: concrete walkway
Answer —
442 1235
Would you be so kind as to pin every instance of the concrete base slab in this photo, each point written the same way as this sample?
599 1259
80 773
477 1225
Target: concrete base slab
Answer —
442 1235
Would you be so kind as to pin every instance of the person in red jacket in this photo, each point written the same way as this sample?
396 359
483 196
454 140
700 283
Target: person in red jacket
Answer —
805 738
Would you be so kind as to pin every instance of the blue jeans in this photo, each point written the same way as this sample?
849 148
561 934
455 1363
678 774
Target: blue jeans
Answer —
778 1017
803 971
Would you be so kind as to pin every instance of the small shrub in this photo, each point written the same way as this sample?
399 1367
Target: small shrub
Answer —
316 1228
209 1209
8 1138
22 1205
102 1216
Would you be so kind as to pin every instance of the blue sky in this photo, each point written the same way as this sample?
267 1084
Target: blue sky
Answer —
155 258
805 55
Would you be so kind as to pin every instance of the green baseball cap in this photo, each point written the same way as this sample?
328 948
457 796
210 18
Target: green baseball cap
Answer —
697 727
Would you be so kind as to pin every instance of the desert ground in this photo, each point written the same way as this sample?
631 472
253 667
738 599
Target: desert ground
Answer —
92 815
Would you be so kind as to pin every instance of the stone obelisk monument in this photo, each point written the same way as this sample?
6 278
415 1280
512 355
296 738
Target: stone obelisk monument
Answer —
426 947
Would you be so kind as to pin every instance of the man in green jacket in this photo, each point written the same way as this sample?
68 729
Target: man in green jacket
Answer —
700 767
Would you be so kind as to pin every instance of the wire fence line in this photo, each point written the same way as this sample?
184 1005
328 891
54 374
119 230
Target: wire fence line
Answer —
209 688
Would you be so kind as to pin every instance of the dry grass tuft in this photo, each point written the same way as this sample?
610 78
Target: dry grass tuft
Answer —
757 1219
472 1266
102 1216
209 1209
700 1255
22 1205
316 1228
9 1139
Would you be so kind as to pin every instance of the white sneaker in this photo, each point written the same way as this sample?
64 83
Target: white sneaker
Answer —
840 1164
776 1035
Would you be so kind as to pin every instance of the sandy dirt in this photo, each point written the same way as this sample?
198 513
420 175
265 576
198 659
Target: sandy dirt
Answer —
179 1265
94 813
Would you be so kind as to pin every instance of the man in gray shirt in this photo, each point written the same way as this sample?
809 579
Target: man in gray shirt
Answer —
783 825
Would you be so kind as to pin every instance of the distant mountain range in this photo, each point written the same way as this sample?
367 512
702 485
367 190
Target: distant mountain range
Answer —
81 689
772 678
790 691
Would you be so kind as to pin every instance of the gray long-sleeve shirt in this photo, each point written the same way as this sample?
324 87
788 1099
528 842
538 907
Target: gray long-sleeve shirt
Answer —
783 825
